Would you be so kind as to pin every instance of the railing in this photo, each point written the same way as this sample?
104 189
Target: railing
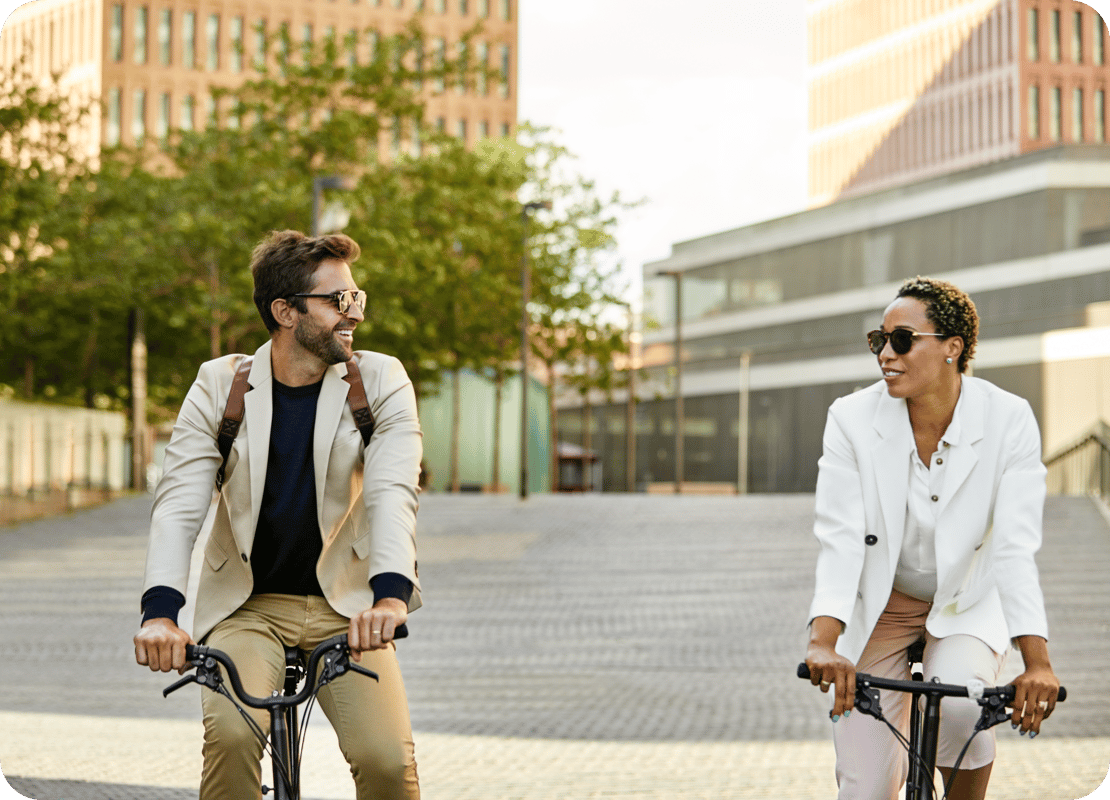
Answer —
1082 468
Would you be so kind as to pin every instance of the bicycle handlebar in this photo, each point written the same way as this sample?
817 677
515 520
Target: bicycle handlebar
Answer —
334 652
940 689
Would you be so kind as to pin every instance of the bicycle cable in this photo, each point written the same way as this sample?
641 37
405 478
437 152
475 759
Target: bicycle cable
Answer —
283 770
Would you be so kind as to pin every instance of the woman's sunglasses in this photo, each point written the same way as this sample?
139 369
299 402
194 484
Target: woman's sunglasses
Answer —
901 340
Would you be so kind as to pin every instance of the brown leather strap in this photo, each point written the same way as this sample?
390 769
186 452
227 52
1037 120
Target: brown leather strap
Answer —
356 399
233 416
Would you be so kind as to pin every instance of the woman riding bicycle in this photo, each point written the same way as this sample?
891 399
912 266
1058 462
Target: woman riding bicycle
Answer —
930 493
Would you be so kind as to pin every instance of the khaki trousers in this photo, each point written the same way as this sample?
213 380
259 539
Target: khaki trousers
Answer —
870 763
370 718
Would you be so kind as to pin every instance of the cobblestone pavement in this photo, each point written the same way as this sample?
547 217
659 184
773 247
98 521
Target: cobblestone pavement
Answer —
626 646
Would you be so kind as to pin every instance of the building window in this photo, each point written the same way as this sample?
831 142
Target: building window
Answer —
464 66
482 80
163 128
1100 115
260 45
115 36
505 59
504 130
1054 114
1077 114
372 40
211 120
460 130
1034 112
188 109
352 48
139 51
506 13
189 40
213 38
483 129
1033 33
441 6
165 37
398 3
464 8
1098 41
237 44
138 116
1077 38
1054 38
306 40
441 124
439 56
111 135
483 9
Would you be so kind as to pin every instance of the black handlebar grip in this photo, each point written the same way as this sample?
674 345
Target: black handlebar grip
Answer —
1062 695
401 632
803 671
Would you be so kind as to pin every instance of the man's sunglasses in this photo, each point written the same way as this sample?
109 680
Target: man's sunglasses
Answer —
343 300
901 340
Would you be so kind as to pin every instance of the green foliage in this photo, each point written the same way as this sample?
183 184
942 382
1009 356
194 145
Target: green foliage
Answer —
169 227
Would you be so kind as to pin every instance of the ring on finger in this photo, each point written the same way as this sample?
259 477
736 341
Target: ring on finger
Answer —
825 684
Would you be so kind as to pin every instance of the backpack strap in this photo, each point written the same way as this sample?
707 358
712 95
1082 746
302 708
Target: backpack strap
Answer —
233 416
356 399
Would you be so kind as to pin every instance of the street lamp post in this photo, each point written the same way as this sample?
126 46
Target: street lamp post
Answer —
526 297
679 413
321 182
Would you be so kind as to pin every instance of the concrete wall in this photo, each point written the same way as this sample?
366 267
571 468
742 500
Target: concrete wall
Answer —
47 448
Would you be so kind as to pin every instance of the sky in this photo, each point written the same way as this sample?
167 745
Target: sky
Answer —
696 108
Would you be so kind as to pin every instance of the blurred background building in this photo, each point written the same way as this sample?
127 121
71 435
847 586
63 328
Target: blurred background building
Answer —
154 62
901 90
961 139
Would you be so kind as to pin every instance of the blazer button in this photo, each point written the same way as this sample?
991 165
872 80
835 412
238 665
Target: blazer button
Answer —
870 539
244 555
935 498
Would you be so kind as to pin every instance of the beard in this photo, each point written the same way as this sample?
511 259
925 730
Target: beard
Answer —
321 342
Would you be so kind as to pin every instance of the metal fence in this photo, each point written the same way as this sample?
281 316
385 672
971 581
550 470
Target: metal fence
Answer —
1082 468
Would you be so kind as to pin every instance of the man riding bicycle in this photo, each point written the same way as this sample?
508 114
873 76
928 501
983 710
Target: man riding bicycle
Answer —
314 531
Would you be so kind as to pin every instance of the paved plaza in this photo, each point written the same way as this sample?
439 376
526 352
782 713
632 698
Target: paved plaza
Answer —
586 646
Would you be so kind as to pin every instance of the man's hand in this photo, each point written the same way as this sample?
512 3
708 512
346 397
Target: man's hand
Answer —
373 629
160 645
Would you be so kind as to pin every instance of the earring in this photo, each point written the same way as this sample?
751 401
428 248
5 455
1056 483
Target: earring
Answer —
947 361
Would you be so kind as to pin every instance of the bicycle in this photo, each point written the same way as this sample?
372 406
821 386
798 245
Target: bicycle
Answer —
925 723
286 736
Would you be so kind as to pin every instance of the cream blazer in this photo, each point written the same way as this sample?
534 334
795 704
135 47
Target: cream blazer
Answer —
988 517
366 499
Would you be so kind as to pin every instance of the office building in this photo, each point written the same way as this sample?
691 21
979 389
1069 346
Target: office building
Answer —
1028 238
903 90
154 62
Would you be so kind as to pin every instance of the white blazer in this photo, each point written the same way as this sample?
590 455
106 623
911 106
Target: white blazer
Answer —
366 497
988 517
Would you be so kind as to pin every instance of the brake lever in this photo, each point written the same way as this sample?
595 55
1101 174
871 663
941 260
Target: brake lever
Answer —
190 678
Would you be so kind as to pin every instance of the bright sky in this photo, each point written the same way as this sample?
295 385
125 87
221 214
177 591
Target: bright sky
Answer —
697 107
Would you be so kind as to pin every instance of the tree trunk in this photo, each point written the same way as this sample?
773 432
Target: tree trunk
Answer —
138 399
456 406
89 361
498 386
28 378
553 417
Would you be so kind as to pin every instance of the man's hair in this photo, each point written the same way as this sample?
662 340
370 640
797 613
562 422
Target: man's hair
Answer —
283 265
949 309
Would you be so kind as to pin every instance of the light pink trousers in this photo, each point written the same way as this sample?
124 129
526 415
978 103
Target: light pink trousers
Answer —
870 763
371 718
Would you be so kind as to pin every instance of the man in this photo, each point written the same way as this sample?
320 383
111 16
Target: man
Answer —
314 533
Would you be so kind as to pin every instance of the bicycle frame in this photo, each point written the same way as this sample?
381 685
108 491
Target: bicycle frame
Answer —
282 707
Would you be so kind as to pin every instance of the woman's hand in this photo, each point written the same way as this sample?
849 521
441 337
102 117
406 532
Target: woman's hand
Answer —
828 668
1036 688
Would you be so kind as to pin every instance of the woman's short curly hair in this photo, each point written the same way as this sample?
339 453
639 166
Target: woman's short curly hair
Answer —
949 309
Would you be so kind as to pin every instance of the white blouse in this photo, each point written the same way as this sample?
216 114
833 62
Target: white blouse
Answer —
917 565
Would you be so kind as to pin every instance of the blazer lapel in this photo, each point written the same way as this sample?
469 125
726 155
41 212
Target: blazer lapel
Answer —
329 409
891 454
962 454
258 413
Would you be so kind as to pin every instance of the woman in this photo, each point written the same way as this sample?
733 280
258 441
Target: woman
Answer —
930 492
